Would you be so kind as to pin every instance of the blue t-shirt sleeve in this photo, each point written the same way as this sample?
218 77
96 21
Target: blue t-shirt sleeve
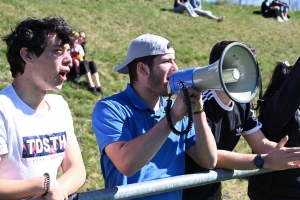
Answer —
109 124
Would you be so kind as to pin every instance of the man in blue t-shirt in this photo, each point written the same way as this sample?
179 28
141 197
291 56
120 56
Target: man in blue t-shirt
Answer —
134 137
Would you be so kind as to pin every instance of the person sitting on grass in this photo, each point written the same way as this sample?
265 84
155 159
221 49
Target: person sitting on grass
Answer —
77 56
272 10
184 5
92 75
88 69
283 7
197 6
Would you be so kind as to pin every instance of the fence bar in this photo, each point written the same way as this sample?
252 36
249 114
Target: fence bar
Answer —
167 184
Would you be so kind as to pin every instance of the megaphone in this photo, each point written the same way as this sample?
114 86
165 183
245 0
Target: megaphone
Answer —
236 73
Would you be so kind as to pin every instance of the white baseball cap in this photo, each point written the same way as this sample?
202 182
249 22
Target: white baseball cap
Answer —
144 45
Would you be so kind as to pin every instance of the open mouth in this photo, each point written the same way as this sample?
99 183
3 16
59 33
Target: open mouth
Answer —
63 75
168 78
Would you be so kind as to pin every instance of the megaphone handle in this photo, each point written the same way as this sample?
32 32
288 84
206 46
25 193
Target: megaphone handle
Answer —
190 114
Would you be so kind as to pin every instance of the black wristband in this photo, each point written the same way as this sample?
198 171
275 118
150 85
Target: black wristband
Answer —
46 183
199 112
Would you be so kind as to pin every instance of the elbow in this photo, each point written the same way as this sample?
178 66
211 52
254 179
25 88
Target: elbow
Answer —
127 169
128 173
210 163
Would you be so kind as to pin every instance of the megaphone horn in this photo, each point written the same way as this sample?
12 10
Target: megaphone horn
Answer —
236 73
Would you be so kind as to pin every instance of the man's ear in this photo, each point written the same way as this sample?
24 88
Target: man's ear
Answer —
143 69
26 55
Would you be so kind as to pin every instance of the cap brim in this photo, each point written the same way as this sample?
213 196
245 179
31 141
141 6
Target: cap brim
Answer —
123 68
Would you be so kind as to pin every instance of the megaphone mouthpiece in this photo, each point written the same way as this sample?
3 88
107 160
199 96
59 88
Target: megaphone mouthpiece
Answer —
231 75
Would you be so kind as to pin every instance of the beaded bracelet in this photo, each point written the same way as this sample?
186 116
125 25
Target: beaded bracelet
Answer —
199 112
46 183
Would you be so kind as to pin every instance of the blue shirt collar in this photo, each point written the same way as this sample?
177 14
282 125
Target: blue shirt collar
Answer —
137 101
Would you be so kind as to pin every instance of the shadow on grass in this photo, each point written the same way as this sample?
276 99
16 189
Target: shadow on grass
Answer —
167 9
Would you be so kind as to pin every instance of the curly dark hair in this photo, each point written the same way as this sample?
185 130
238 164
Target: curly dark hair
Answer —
33 34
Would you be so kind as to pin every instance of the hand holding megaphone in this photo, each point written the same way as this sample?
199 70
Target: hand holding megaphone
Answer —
236 73
180 106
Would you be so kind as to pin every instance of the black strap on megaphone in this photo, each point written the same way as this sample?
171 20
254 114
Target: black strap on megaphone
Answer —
190 114
260 100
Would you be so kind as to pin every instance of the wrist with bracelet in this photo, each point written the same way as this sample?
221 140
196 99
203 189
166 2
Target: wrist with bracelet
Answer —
199 112
46 183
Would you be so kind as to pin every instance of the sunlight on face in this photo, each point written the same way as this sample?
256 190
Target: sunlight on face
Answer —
53 64
163 67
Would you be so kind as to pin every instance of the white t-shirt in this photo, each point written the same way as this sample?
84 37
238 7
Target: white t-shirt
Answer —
32 142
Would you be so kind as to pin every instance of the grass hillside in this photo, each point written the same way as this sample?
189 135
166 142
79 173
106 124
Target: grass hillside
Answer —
112 24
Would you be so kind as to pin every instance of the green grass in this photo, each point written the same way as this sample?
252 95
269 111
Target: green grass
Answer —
112 24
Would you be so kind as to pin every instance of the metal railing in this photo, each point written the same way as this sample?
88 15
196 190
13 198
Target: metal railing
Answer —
167 184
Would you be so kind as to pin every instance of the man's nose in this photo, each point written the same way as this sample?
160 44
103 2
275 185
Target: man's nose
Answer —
174 67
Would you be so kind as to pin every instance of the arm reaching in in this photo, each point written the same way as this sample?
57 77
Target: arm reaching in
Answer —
276 156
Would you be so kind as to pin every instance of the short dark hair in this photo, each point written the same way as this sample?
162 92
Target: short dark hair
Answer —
218 48
132 66
33 34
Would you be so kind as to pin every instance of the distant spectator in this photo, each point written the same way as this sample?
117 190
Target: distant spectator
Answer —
88 68
77 54
92 75
184 5
273 10
198 9
283 8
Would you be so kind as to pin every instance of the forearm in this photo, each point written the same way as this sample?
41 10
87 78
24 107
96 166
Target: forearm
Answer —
181 4
74 173
266 147
73 179
206 149
275 157
259 143
134 154
231 160
18 189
